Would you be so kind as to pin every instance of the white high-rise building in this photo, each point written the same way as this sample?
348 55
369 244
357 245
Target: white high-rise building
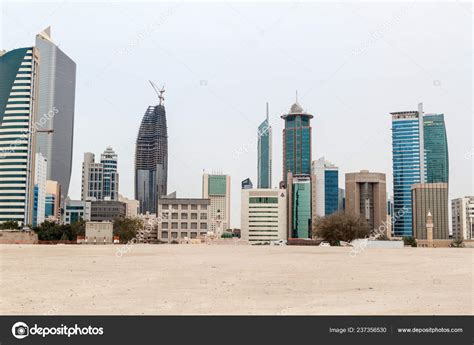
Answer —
216 187
463 218
327 187
41 169
100 180
263 215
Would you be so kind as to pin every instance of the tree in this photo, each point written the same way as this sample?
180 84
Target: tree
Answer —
10 225
340 227
127 228
457 243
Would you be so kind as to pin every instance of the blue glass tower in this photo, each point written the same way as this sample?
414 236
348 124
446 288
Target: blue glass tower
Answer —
436 149
264 164
408 165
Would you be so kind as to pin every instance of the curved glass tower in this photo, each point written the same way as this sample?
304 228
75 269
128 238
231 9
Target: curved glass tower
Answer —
264 164
436 149
151 159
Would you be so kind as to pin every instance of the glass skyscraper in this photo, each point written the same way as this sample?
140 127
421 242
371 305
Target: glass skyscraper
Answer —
301 208
18 109
55 119
151 159
296 142
327 187
264 164
436 149
408 165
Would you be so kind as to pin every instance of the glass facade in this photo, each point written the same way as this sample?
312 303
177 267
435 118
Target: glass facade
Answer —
264 163
301 209
217 185
436 149
331 191
406 168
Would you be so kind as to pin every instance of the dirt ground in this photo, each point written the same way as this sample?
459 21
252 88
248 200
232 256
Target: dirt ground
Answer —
226 279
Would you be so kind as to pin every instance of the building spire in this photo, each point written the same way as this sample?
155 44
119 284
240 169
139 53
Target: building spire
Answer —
267 111
296 96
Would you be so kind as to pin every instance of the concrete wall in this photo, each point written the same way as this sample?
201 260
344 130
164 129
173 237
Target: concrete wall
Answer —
377 244
18 237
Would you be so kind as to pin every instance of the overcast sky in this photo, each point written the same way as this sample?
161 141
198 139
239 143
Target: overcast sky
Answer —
352 65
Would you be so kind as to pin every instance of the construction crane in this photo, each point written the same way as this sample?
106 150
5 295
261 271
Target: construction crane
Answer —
159 92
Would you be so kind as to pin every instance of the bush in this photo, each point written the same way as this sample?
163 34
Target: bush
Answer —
409 241
457 243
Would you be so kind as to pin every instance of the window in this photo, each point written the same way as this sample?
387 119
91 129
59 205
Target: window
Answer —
194 207
184 207
184 234
174 225
184 225
194 225
203 226
203 207
174 215
193 234
164 234
174 235
164 225
165 207
194 216
203 215
203 233
174 207
184 215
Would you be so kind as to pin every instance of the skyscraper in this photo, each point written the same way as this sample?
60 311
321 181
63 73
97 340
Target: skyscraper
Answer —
264 164
55 119
151 158
100 180
327 187
108 159
408 164
216 187
296 142
18 109
436 149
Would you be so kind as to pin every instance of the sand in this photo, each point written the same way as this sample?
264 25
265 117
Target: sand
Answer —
226 279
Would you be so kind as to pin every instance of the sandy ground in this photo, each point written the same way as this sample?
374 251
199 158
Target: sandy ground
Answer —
224 279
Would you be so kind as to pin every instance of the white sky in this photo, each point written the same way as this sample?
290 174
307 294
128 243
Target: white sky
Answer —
352 65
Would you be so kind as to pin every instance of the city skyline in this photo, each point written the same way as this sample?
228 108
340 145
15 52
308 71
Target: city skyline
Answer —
211 113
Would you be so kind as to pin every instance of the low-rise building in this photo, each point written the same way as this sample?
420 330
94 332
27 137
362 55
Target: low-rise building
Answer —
463 218
99 233
183 218
132 206
263 215
76 210
107 210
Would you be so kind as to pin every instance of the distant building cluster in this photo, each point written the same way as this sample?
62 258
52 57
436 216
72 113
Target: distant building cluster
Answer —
37 101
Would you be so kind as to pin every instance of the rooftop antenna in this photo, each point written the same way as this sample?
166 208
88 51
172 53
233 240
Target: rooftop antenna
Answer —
296 96
159 92
267 111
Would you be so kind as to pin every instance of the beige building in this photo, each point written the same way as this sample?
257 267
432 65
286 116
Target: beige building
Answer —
463 217
366 196
426 198
183 218
263 215
99 233
216 188
132 206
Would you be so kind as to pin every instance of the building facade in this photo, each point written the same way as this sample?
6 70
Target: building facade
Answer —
462 213
216 188
430 197
327 187
18 111
151 159
263 215
366 197
56 100
183 218
76 210
297 142
100 180
53 201
436 149
107 210
99 233
246 184
408 164
41 166
264 163
132 206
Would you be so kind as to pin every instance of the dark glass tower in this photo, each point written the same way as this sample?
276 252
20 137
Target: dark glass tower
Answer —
296 142
264 170
151 159
436 149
